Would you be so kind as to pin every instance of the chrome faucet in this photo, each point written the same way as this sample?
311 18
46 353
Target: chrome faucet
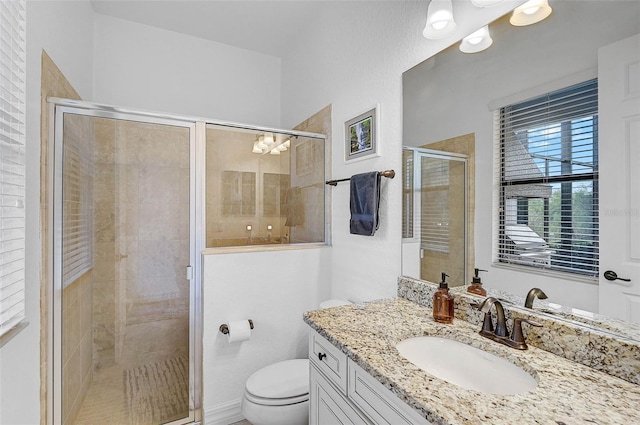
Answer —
500 333
533 293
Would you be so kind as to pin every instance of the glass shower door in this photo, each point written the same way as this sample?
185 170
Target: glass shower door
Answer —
123 256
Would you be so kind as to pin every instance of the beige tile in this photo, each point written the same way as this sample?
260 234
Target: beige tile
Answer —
127 222
104 267
104 301
105 146
160 185
159 258
159 222
104 221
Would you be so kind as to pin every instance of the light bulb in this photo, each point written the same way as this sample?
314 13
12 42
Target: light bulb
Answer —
440 21
476 41
530 13
261 143
268 138
256 148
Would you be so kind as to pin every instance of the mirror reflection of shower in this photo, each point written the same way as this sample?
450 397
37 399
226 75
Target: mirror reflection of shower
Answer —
434 215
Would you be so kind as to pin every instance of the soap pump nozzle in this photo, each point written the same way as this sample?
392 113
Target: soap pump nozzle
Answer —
476 284
443 282
476 277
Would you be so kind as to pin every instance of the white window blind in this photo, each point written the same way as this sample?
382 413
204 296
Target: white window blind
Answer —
407 193
434 215
548 213
12 163
77 190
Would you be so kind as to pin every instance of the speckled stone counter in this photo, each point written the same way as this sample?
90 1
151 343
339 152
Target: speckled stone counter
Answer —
567 392
614 354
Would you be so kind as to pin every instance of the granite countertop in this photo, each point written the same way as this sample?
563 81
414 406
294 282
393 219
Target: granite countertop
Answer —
567 392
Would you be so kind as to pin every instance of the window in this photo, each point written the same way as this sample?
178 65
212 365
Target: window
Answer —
12 163
548 208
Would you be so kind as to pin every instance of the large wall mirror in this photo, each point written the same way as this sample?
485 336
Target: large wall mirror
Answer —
454 94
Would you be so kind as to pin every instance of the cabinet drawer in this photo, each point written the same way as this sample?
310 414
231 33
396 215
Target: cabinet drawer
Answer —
377 402
329 360
328 406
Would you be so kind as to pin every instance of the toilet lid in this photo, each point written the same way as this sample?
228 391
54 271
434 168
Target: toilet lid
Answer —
334 303
286 379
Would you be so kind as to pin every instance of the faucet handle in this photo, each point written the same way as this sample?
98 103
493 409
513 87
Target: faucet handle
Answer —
517 338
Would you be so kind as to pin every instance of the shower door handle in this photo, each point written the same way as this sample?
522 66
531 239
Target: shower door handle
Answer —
189 273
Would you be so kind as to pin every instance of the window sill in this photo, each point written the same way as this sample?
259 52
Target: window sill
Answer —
547 273
13 332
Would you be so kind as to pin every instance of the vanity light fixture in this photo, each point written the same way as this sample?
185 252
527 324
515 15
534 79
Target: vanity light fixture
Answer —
530 13
440 21
256 146
485 3
267 143
477 41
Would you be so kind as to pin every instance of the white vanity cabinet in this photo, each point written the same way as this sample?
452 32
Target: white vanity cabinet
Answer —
341 392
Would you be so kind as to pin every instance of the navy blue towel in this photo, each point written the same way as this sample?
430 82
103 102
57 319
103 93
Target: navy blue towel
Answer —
365 201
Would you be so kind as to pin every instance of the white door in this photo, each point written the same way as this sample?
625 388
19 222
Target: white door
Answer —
619 153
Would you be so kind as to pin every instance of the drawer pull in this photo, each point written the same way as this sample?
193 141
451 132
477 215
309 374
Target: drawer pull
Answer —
321 356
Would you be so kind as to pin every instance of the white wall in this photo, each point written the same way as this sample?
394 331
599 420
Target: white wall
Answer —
64 30
144 67
453 94
353 56
271 288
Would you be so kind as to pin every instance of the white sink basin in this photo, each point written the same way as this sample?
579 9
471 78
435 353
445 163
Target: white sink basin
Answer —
466 366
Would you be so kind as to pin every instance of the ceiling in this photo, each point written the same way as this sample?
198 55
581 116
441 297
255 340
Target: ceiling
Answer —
265 26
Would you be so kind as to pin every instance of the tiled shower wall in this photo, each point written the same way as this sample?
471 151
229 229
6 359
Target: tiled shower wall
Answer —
54 84
140 293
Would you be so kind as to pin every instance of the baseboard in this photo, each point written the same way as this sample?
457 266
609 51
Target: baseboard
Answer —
223 414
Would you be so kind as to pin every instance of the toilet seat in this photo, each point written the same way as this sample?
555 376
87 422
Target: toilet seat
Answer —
279 384
276 401
334 303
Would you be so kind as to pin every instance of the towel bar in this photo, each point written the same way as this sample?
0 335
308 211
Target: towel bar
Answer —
386 173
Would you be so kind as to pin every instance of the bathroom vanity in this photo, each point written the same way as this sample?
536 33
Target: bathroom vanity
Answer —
359 377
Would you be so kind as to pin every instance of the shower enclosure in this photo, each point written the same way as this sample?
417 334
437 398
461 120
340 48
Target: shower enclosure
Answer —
128 194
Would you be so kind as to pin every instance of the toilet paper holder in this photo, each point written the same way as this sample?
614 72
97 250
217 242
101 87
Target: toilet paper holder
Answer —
224 328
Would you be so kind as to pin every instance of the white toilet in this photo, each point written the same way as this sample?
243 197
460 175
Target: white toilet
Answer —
278 394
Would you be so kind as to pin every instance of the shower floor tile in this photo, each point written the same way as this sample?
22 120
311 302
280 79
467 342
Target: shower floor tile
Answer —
105 402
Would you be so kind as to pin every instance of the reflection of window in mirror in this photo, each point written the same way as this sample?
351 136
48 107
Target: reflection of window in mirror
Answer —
549 181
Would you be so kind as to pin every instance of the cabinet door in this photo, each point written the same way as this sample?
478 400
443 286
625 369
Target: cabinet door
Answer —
328 406
377 402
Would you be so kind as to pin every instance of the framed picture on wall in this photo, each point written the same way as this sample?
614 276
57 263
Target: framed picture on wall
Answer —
361 136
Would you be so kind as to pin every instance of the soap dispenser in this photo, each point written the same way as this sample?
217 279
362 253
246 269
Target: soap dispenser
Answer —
476 284
443 303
